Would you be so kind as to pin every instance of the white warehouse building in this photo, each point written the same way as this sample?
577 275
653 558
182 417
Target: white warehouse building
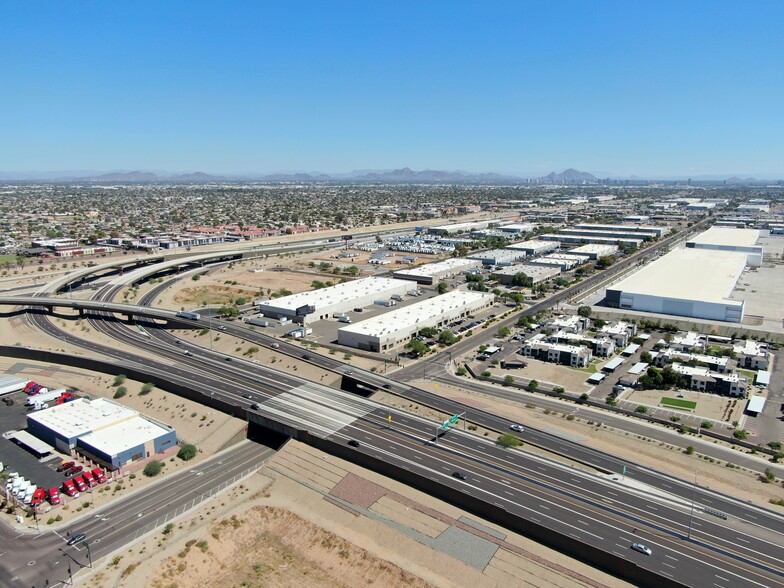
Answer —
694 283
431 273
321 304
395 328
730 239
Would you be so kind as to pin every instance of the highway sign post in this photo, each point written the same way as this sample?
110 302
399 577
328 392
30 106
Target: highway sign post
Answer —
448 423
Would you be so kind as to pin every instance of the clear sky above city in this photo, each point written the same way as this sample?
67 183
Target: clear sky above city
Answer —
656 89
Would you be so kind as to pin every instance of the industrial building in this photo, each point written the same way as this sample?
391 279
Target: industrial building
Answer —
694 283
646 232
104 431
464 227
397 327
582 239
560 260
535 247
434 272
497 256
730 239
594 250
321 304
536 273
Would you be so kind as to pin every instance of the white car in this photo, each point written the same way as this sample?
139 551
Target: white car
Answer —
517 428
642 548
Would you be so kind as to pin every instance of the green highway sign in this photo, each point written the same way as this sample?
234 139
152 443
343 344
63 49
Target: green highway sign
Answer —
452 421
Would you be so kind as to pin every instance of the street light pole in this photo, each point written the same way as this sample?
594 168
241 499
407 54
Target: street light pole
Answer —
691 514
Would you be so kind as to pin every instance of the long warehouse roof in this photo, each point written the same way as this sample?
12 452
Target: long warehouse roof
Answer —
727 236
335 294
415 313
688 274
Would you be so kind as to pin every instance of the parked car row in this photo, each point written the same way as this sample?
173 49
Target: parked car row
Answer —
28 493
89 479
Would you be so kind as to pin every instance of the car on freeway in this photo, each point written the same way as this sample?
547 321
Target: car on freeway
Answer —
459 475
642 548
65 466
255 406
305 356
387 386
517 428
348 372
221 328
248 396
353 442
275 345
187 352
76 538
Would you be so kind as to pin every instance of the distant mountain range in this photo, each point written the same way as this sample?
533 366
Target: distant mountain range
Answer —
404 175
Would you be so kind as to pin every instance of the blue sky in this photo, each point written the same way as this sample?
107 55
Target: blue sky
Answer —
630 87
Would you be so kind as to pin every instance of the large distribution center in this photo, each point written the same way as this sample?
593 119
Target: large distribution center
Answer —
323 303
534 246
394 328
433 272
106 432
730 239
686 282
536 273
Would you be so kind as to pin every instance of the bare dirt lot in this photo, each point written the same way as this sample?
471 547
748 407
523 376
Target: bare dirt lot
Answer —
542 371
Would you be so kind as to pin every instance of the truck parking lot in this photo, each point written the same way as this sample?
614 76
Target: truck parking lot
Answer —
18 459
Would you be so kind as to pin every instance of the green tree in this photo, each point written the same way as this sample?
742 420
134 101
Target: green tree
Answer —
153 468
584 311
533 385
119 379
446 337
146 388
442 287
504 332
120 392
187 452
509 380
690 450
641 409
509 440
417 347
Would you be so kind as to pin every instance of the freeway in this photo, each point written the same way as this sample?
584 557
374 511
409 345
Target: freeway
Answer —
39 559
745 552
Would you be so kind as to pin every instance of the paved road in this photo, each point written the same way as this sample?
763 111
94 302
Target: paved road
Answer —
39 559
741 548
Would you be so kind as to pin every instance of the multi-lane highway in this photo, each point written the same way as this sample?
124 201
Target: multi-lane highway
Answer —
588 508
43 559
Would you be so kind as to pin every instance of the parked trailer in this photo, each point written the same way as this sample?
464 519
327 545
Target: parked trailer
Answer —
45 397
11 384
194 316
257 321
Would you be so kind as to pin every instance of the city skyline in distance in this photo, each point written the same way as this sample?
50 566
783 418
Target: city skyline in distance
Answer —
660 90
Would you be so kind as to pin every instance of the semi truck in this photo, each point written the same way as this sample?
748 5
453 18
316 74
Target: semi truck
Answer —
11 384
45 397
259 322
189 315
344 319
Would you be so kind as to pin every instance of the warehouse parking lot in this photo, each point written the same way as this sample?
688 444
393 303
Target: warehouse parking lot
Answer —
16 458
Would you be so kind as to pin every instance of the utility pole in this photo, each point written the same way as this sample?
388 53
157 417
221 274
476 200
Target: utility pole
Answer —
89 555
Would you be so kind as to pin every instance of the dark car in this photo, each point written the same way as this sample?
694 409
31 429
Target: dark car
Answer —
387 386
248 396
305 356
77 538
75 470
353 442
8 401
228 358
255 406
459 475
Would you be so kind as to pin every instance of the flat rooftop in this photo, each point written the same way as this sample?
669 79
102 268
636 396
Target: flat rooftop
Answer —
727 236
688 274
121 436
81 416
533 244
447 265
336 294
392 322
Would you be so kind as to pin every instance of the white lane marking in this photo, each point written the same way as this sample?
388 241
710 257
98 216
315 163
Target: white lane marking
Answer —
722 578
